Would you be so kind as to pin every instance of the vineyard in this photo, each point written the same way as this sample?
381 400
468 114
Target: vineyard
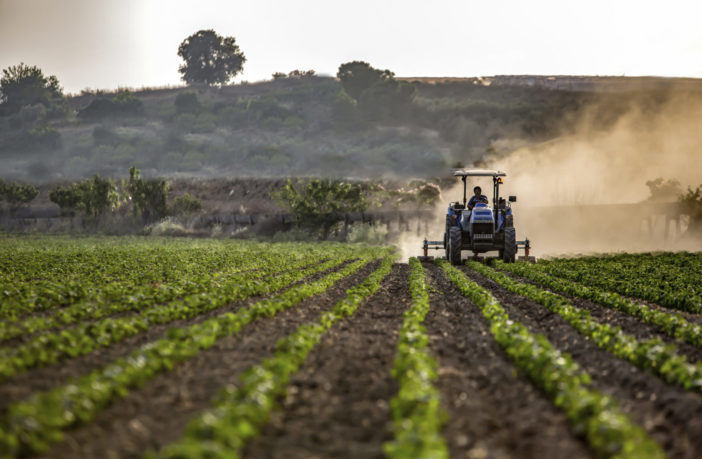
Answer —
179 348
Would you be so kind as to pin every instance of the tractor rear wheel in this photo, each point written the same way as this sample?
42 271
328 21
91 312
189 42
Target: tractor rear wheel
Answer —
509 253
454 245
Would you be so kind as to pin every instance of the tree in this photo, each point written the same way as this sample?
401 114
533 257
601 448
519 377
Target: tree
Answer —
150 197
378 94
23 85
691 203
17 194
358 76
93 196
664 190
319 204
209 58
186 204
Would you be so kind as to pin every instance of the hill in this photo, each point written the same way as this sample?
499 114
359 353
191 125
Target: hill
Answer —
307 126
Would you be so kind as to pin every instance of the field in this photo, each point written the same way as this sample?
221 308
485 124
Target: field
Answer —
132 347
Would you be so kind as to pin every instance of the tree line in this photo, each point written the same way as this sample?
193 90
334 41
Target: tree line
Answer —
147 198
208 59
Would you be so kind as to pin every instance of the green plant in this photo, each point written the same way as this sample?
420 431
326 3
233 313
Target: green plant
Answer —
93 197
321 203
149 197
674 325
33 424
609 432
185 204
239 413
17 194
651 354
416 409
210 58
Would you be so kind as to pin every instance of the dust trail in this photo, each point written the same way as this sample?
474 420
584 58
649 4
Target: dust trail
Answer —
560 183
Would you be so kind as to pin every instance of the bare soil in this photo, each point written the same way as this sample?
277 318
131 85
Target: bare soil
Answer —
337 405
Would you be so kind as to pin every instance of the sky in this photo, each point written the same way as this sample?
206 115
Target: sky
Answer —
106 44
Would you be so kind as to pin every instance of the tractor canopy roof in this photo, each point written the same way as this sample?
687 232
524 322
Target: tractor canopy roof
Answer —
479 173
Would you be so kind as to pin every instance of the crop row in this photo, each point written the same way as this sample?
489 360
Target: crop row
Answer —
671 280
33 424
674 325
46 279
609 432
416 409
84 338
650 354
137 299
239 413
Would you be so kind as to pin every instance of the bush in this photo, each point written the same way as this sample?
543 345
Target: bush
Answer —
320 204
186 204
187 103
149 197
92 196
16 194
124 103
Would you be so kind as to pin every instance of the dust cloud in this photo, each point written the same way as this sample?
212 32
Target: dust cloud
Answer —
582 191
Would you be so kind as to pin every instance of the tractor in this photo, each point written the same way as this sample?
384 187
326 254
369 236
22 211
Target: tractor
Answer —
481 229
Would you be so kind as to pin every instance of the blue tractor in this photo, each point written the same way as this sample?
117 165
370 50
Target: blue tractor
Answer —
482 228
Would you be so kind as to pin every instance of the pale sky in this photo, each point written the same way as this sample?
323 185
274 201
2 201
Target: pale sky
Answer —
133 43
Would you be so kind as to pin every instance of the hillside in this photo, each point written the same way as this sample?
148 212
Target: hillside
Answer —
299 127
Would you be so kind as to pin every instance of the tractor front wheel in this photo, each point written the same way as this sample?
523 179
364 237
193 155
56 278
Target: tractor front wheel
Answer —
509 253
454 246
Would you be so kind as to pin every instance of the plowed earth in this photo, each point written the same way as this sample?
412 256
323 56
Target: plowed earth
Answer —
338 404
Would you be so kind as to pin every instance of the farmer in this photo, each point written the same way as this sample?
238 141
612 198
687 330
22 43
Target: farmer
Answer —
478 197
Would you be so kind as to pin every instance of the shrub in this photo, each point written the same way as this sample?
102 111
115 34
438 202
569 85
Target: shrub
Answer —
186 204
124 103
149 197
319 204
187 103
92 196
16 194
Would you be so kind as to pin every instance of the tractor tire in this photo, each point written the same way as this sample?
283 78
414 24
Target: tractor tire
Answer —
447 228
454 246
509 253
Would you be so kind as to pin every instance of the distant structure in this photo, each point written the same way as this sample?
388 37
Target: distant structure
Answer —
575 83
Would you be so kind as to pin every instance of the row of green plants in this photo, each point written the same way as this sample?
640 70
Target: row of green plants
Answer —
126 299
593 415
652 354
672 324
51 347
669 279
416 409
239 413
32 425
47 274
